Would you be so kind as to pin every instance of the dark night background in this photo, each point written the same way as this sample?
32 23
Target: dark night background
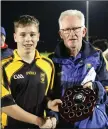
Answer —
48 12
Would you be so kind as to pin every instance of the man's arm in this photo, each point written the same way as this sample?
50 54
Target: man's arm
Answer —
53 104
101 81
48 99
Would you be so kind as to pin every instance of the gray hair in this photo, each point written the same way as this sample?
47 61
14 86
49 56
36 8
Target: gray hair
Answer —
71 12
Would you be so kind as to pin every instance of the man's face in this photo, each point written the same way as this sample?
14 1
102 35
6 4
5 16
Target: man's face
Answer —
26 38
72 32
2 40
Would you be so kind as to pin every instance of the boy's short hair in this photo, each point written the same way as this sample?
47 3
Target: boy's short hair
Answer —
25 20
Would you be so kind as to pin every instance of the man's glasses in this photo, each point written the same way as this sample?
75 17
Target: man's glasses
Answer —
68 30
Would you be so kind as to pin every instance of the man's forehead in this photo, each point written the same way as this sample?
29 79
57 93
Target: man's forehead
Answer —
72 22
69 17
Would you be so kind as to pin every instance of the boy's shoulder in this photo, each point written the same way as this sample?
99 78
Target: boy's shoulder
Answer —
6 60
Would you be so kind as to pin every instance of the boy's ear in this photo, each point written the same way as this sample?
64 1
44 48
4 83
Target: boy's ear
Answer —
14 35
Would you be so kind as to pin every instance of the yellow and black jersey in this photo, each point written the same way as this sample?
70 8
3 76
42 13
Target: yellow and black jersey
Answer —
26 84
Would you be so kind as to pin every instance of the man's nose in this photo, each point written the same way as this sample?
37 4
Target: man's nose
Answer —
71 33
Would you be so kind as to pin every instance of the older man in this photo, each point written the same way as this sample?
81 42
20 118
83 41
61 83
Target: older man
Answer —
73 59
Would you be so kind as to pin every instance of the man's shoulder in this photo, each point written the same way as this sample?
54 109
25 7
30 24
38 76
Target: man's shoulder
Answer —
51 55
97 49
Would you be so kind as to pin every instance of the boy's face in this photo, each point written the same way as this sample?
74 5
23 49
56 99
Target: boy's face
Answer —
26 38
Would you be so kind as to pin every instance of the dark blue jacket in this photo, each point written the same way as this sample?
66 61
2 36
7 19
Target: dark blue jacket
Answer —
6 52
70 71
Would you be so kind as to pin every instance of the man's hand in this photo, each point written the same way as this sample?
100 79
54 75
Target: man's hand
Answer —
54 122
89 85
53 104
49 123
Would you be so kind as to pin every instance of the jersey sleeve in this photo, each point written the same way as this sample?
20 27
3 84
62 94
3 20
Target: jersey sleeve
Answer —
6 97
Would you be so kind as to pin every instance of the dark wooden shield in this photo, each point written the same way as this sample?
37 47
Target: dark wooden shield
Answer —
78 104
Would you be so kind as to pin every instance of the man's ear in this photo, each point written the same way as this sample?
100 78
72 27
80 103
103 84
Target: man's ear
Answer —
60 34
14 35
84 31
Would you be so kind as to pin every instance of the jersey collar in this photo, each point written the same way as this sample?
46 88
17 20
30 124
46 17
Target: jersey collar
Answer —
17 57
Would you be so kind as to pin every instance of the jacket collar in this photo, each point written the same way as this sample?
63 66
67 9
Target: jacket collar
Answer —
86 50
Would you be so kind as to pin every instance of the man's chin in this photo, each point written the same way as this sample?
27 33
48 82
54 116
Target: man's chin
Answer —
73 48
74 52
